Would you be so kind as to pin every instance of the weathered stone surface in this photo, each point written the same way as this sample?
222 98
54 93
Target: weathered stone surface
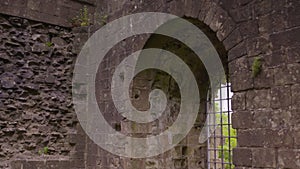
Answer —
28 128
242 13
257 138
289 158
58 41
237 51
264 157
49 164
242 157
295 90
258 99
264 79
54 12
256 46
266 107
282 75
289 37
281 97
242 119
226 28
232 39
8 80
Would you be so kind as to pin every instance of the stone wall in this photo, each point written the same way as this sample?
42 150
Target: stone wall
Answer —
266 106
189 154
57 12
36 114
266 113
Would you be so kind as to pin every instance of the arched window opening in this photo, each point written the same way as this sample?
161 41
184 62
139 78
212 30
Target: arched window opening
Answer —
223 139
189 153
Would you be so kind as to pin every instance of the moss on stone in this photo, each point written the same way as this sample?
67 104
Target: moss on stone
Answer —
256 66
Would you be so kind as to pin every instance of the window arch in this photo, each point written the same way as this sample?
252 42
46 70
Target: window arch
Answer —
223 139
189 153
217 151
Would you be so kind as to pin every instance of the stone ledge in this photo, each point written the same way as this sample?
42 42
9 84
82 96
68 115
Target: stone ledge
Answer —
54 12
41 164
88 2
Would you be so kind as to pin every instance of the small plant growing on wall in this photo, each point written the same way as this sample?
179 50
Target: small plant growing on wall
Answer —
49 44
45 150
100 19
104 19
83 18
256 66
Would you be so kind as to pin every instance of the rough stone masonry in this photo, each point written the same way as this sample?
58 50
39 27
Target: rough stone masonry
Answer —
38 50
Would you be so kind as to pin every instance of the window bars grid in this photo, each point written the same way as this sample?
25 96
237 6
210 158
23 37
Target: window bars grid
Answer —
223 139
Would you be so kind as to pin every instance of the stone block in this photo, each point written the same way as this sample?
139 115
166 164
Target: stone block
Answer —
289 37
210 14
278 138
219 19
293 15
237 51
282 75
193 7
276 58
264 79
281 97
293 55
34 4
242 81
272 23
261 118
258 99
262 7
258 45
238 101
242 119
242 157
226 29
232 39
242 13
280 118
294 70
289 158
249 29
264 157
256 135
204 9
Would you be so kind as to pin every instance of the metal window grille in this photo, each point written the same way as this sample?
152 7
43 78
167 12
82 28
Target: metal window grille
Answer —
223 139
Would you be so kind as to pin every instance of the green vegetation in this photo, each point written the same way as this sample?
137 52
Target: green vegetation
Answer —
256 66
49 44
100 19
104 19
228 143
45 150
83 18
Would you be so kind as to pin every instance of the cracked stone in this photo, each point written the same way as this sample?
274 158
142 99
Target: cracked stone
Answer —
8 82
9 131
59 41
50 79
39 47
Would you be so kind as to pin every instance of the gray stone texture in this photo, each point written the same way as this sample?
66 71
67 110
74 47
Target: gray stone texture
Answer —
57 12
35 82
35 94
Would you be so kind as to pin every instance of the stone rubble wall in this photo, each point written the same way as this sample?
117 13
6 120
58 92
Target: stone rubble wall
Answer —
36 64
